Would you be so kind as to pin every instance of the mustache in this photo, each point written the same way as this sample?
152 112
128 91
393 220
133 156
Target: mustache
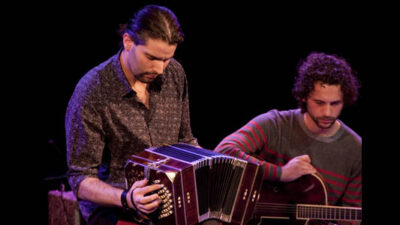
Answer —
326 118
149 73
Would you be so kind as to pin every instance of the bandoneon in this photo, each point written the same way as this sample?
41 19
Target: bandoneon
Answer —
199 184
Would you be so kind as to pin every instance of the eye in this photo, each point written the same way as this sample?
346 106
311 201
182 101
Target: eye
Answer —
336 103
151 58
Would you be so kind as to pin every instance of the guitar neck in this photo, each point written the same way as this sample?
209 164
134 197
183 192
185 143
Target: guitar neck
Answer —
323 212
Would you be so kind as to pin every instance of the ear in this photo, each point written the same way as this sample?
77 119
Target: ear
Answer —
127 42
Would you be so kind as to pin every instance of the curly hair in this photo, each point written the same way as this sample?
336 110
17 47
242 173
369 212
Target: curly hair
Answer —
328 69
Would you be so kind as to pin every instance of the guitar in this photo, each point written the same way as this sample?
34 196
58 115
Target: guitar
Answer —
303 201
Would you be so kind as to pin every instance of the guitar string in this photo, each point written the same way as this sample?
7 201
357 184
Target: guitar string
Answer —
282 205
327 210
290 208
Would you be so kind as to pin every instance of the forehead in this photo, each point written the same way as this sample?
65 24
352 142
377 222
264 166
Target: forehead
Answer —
158 48
326 92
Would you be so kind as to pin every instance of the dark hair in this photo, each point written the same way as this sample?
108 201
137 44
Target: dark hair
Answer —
329 69
156 22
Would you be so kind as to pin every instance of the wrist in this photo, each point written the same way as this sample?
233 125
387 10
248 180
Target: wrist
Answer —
124 202
279 172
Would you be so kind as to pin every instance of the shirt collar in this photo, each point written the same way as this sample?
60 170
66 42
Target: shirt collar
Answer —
338 134
125 89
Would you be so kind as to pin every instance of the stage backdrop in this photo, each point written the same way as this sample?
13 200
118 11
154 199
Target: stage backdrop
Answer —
240 60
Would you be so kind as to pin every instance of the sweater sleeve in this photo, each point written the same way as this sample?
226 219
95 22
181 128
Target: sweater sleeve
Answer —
353 192
248 143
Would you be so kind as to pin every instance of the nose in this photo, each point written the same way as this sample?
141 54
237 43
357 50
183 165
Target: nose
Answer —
327 110
159 66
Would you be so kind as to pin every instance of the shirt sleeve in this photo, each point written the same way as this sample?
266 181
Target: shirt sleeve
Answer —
185 132
248 143
84 139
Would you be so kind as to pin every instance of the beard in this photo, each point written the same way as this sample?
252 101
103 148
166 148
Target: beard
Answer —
323 122
146 77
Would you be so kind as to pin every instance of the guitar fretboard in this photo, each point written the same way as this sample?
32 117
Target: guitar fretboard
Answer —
320 212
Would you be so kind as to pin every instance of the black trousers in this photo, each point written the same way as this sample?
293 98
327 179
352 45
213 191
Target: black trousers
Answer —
110 216
105 216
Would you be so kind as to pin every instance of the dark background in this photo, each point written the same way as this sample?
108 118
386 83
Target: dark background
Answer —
240 60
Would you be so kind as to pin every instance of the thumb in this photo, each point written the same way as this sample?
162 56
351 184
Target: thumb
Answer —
141 183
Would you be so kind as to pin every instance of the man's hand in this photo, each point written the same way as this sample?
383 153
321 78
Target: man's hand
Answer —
142 202
297 167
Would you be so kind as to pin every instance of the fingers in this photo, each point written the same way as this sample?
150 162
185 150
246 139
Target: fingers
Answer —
149 199
297 167
305 158
303 163
144 201
151 188
141 186
140 183
149 204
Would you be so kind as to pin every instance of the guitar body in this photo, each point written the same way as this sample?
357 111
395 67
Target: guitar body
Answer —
277 200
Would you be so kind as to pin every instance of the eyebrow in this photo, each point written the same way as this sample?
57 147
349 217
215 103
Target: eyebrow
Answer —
156 58
332 102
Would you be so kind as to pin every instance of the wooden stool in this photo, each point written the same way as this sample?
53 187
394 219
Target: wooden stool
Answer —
63 208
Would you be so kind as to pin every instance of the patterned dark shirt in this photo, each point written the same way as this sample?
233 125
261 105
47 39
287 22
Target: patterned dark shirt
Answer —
105 122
